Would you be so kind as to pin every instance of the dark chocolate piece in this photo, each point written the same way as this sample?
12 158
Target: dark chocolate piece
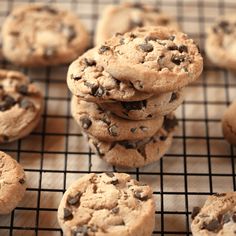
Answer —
67 214
113 130
85 122
177 59
183 48
73 200
25 103
103 49
136 105
169 123
138 195
146 47
23 89
213 225
21 181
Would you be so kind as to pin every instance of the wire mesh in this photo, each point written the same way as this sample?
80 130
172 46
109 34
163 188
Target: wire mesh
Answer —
199 163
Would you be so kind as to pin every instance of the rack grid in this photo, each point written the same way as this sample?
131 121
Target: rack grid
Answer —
199 163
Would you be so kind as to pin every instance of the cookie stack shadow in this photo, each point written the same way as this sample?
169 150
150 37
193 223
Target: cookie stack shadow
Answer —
126 126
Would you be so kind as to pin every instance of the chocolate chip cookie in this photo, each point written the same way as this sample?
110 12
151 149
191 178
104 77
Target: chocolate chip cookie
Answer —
136 153
88 80
42 35
229 124
156 106
127 16
217 216
108 127
12 183
21 106
153 59
221 43
107 204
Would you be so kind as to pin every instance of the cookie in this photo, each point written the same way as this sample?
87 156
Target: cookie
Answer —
221 43
125 17
153 59
88 80
154 107
136 153
21 106
107 204
108 127
12 183
229 124
217 216
42 35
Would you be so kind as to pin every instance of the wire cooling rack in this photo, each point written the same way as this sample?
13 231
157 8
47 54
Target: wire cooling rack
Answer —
199 163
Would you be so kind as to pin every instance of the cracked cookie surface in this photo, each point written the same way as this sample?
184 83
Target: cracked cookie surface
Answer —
221 43
153 107
108 127
217 217
21 106
88 80
107 204
125 17
153 59
41 35
229 124
136 153
12 183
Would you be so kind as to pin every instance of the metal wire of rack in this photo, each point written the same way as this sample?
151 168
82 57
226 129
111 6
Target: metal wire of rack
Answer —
199 163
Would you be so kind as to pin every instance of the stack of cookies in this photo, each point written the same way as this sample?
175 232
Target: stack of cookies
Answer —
125 92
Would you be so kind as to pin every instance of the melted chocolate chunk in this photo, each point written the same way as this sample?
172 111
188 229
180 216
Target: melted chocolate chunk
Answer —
103 49
49 52
114 181
169 124
23 89
177 59
146 47
25 103
137 105
113 130
98 91
172 47
7 103
89 62
85 122
183 48
73 200
75 77
48 9
67 214
69 31
213 225
133 130
195 212
138 194
173 97
22 181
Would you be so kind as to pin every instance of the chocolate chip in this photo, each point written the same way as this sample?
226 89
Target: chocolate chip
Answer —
172 47
80 231
149 116
103 49
138 194
67 214
136 105
133 130
69 31
226 218
114 181
173 97
48 9
169 123
75 77
132 35
98 91
85 122
106 120
73 200
23 89
90 62
110 174
213 225
223 24
115 210
177 59
163 138
146 47
49 52
172 37
7 103
183 48
219 194
195 212
25 103
21 181
113 130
